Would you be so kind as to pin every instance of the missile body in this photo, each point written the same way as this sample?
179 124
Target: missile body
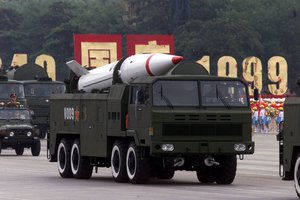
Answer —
124 70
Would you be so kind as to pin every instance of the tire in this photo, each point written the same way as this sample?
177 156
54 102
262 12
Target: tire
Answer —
63 158
43 133
226 171
118 161
206 174
36 148
0 146
19 150
297 176
80 165
166 174
138 167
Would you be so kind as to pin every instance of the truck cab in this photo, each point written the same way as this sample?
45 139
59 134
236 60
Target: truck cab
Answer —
37 94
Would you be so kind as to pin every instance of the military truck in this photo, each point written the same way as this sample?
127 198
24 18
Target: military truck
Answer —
289 143
17 131
7 87
37 94
153 127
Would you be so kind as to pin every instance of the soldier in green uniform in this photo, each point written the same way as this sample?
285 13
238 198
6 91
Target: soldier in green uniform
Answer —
13 101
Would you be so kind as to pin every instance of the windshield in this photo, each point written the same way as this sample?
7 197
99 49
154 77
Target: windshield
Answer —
8 88
44 90
223 93
14 114
175 93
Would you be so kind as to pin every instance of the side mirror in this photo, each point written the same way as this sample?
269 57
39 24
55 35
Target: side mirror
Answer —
256 94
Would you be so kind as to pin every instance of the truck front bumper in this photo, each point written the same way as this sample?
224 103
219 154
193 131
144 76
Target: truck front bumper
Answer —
202 148
13 141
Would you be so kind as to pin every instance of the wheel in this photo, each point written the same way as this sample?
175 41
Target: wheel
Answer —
0 145
297 176
36 148
63 158
43 133
138 169
19 150
80 165
205 174
166 174
226 170
118 161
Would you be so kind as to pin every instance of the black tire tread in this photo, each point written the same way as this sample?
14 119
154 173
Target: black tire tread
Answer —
19 150
226 171
205 174
166 174
36 148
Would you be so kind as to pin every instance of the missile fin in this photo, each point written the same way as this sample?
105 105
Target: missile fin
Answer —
77 68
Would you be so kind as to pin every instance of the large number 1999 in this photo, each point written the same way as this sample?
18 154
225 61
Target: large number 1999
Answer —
252 72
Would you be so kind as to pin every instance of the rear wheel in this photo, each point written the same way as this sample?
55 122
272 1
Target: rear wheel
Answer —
19 150
297 176
36 148
137 166
80 165
63 158
118 161
226 170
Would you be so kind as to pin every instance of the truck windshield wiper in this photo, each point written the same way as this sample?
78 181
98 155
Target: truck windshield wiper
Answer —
162 96
221 97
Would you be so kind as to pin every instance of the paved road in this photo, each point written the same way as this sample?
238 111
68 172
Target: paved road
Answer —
26 177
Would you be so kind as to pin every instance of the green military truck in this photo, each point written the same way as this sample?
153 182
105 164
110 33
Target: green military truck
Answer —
289 143
37 94
153 127
17 131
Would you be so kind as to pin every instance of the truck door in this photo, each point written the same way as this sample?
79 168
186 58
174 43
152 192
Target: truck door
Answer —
139 107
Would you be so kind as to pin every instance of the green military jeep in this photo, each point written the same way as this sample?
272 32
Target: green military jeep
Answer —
17 131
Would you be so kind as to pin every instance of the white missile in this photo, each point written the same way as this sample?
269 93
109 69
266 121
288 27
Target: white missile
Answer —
124 70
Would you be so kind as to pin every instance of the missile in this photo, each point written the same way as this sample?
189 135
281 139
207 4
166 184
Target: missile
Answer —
123 71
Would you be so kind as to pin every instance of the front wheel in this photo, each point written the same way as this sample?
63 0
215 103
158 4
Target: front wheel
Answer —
36 148
19 150
166 174
297 176
226 170
137 166
80 165
0 145
205 174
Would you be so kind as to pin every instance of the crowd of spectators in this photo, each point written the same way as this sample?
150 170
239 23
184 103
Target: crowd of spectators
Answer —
267 114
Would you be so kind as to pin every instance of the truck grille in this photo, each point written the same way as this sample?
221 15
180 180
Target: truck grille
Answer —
20 132
202 130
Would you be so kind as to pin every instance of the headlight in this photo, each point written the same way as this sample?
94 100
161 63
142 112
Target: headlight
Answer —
239 147
167 147
11 134
29 133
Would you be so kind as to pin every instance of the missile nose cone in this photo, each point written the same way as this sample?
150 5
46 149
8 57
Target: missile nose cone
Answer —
176 59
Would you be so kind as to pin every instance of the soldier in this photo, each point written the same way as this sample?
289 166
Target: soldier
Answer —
13 101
